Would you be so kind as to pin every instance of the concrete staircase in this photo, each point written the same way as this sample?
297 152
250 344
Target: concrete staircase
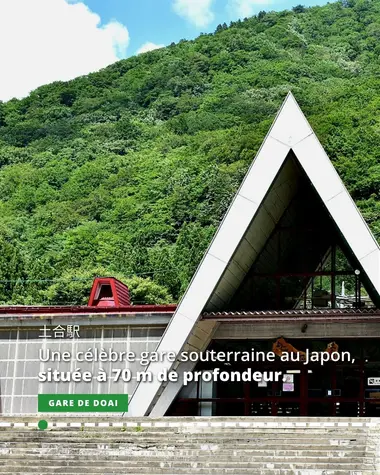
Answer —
258 446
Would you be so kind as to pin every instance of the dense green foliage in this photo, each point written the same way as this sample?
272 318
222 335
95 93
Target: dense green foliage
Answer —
128 171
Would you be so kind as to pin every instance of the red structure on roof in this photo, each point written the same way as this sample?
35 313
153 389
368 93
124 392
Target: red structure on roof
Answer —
108 296
109 292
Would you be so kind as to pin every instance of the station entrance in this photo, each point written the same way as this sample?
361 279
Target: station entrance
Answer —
342 388
305 266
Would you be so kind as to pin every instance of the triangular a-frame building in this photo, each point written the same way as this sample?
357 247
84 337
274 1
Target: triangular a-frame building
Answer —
290 184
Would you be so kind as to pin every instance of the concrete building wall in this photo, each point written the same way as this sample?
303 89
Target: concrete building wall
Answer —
20 364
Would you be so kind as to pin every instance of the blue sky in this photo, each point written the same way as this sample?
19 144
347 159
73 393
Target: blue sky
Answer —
42 41
158 22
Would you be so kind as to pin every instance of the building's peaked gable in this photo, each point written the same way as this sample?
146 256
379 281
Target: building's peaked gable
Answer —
232 252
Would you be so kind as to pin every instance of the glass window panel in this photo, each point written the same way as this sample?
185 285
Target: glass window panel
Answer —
65 346
3 369
48 388
151 345
107 333
20 368
16 405
29 404
18 387
4 349
23 335
21 350
12 351
83 388
5 407
138 347
31 386
9 386
31 368
32 350
139 333
83 346
156 332
134 367
4 335
10 369
34 334
119 346
65 366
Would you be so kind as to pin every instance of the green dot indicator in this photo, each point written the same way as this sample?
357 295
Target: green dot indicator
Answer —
42 425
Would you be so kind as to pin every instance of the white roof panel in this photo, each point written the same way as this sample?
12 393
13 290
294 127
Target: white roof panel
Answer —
231 254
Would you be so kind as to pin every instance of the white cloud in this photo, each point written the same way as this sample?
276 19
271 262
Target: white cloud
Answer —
42 41
197 12
245 8
148 47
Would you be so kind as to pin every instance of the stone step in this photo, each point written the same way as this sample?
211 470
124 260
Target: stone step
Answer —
182 435
199 452
77 417
198 443
100 466
210 438
258 471
189 439
191 445
188 429
299 470
194 448
165 457
210 444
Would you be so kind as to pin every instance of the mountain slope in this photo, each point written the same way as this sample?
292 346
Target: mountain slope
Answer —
129 170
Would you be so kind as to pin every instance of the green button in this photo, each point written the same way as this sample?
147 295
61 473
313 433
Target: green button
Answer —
82 402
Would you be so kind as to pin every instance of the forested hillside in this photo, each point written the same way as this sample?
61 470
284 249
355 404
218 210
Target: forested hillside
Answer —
128 171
